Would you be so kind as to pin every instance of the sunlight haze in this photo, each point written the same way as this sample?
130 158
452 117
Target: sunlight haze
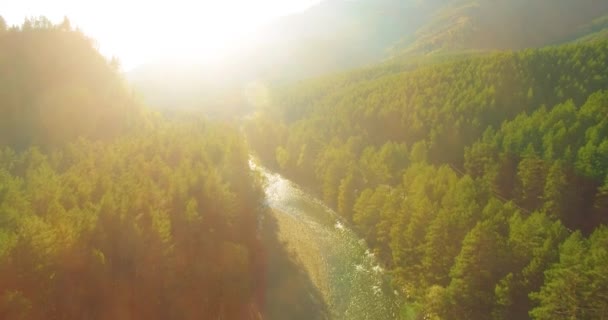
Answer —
178 31
304 159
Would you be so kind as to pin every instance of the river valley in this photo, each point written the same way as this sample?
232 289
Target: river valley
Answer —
345 275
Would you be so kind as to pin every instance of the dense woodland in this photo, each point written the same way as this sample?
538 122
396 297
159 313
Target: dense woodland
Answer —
480 181
108 211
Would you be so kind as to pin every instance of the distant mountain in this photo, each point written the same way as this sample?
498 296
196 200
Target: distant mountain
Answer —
338 35
331 36
342 34
595 30
503 24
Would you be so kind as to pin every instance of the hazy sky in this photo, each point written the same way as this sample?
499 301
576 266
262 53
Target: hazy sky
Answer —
139 31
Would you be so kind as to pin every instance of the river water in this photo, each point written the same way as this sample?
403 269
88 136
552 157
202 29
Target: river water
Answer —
357 286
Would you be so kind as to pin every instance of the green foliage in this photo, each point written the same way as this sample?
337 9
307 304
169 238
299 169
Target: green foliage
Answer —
561 160
449 105
458 175
532 246
53 75
108 211
477 269
576 287
141 216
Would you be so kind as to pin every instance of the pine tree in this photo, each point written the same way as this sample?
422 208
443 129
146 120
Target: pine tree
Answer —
555 192
531 177
562 296
477 270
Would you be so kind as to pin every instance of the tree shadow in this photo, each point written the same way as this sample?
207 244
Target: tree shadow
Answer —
289 292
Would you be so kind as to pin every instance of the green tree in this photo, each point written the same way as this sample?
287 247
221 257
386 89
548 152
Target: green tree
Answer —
576 286
478 268
419 152
532 248
556 191
531 175
367 211
459 213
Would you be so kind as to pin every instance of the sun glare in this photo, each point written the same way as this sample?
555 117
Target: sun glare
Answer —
182 31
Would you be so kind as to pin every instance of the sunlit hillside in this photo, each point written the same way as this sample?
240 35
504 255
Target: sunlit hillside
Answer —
108 211
57 87
304 159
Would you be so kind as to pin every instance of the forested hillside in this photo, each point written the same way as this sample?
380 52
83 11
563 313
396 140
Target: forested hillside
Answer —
51 76
481 182
108 211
